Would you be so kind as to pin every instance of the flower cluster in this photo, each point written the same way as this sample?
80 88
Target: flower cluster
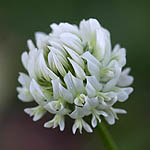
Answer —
74 71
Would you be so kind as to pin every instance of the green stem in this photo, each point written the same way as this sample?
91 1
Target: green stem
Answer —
106 137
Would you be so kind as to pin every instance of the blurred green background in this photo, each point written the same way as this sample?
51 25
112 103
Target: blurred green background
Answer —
127 20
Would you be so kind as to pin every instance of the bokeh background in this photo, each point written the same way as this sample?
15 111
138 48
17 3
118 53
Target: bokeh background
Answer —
127 20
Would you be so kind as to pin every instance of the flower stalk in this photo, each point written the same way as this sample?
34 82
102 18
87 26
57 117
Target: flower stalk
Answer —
106 137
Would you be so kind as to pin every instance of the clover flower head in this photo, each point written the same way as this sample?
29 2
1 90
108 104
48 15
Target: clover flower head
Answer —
73 71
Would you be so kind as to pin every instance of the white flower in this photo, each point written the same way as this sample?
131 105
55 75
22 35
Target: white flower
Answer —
80 100
93 106
38 112
92 86
80 123
24 92
73 71
57 120
78 114
125 79
96 37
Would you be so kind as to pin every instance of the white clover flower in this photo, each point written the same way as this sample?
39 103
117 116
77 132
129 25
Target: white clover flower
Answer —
74 72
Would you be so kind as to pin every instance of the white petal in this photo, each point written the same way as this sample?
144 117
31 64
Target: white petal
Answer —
91 103
74 85
59 65
124 94
116 48
38 112
78 70
117 71
48 124
80 100
93 64
54 107
61 124
107 53
119 111
88 28
75 56
30 111
38 115
102 113
91 91
102 43
94 121
119 54
126 71
57 44
57 120
86 126
30 45
122 56
24 94
37 93
125 81
69 82
41 39
24 80
64 27
55 84
92 86
67 96
72 41
128 90
51 62
89 57
24 59
44 70
109 85
110 119
33 55
75 127
112 101
60 91
78 84
78 112
60 55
